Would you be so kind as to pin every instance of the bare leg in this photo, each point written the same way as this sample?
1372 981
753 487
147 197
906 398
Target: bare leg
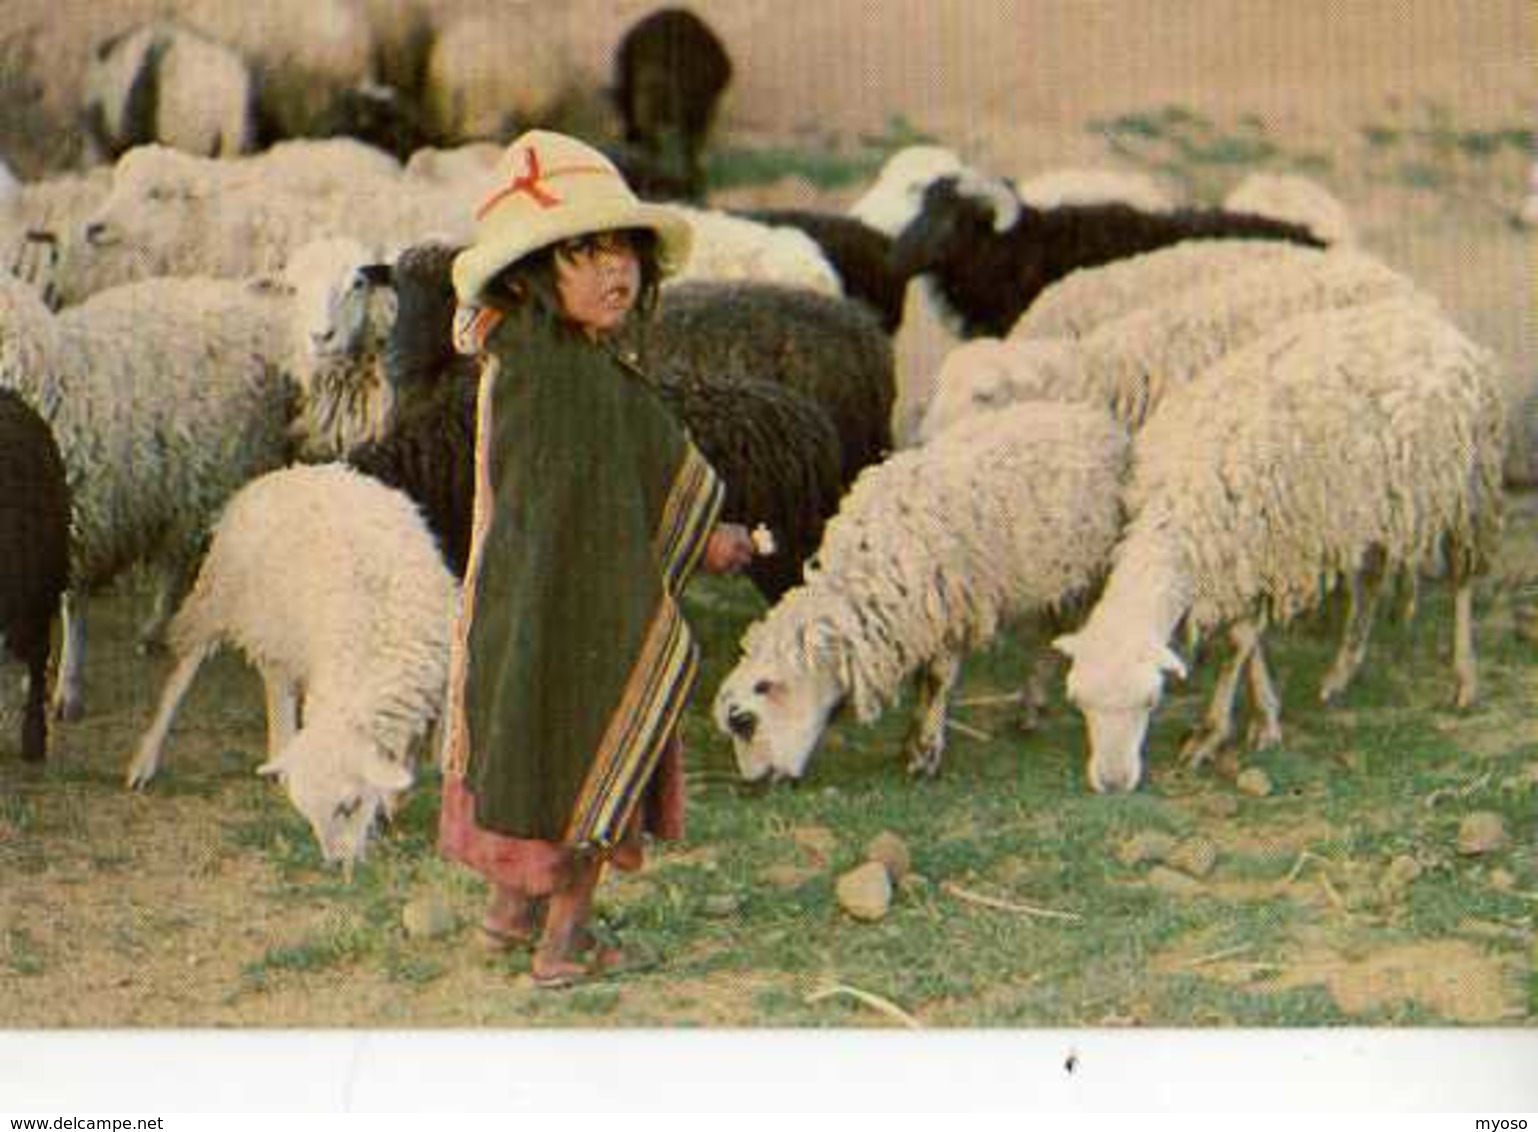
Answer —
147 759
68 701
1218 727
557 959
510 918
925 745
1365 589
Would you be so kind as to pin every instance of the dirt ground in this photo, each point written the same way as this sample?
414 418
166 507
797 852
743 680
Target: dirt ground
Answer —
1011 84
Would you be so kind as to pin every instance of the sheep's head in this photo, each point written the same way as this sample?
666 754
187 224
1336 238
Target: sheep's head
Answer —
154 210
895 199
774 714
341 300
959 215
341 782
1117 690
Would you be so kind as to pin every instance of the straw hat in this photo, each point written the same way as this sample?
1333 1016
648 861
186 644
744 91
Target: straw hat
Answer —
559 187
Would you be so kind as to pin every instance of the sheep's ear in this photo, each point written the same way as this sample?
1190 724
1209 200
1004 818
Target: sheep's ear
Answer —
1169 662
377 274
386 776
1066 644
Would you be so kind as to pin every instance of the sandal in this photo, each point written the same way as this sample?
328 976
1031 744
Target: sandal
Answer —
570 974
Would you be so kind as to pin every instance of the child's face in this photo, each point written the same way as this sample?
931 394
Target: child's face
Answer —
598 278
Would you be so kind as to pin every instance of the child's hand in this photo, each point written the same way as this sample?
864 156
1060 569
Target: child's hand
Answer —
728 549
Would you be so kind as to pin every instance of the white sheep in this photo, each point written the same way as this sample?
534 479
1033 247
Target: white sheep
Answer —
1129 364
730 248
204 93
1295 198
169 213
1369 437
1093 186
167 395
1084 299
487 73
38 217
306 53
163 402
1012 514
331 585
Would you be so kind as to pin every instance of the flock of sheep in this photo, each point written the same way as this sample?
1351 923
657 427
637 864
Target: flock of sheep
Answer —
1162 424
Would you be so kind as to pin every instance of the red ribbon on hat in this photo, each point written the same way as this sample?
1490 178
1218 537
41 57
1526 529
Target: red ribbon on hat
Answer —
529 182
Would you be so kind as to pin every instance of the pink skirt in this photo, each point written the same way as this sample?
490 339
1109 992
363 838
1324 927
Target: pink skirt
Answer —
535 867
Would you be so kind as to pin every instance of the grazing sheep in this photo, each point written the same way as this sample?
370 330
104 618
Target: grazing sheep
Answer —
828 348
1012 514
729 248
169 213
1297 200
1130 364
670 71
1093 186
991 254
859 254
1084 299
329 583
1369 437
34 554
160 82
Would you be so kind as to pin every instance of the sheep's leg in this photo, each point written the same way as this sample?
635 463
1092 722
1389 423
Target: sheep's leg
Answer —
1266 724
925 745
1036 695
1218 728
1363 592
1465 666
171 581
1044 667
68 700
33 650
146 759
282 711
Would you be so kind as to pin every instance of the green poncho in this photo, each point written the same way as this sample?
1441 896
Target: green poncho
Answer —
592 510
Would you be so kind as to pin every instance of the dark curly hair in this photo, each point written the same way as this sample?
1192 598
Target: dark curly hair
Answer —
529 284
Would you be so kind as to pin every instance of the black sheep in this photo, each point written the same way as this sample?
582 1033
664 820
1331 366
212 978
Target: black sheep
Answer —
778 455
34 553
669 72
429 453
828 348
860 254
988 277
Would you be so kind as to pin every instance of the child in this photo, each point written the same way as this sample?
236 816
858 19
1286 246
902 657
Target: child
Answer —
572 662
